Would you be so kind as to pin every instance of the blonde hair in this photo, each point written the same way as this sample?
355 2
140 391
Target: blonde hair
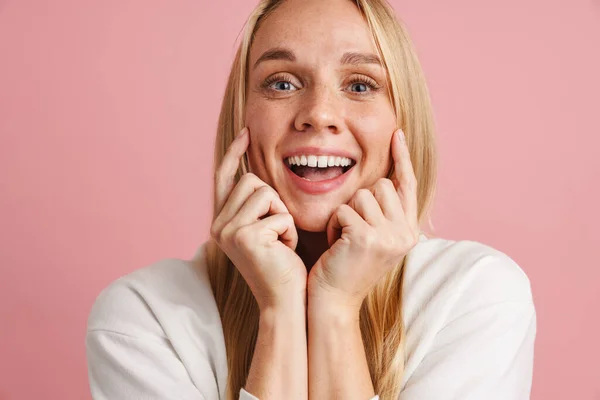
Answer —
381 319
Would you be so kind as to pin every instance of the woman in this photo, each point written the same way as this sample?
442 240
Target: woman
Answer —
317 282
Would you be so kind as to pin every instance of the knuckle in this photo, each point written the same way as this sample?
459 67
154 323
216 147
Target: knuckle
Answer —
215 233
404 181
240 238
362 192
394 243
410 238
342 208
387 183
225 233
247 178
361 195
219 175
289 218
371 237
383 185
266 192
383 182
409 182
265 189
368 239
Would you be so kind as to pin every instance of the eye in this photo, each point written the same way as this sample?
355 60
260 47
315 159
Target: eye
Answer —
282 85
363 84
360 87
279 83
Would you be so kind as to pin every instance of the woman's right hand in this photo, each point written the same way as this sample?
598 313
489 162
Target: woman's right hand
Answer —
256 232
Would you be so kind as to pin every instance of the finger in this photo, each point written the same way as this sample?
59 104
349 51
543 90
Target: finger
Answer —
225 173
248 184
283 228
385 193
406 182
364 203
264 201
344 218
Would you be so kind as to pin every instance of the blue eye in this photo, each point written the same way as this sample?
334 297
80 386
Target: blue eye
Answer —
283 85
279 83
363 85
360 87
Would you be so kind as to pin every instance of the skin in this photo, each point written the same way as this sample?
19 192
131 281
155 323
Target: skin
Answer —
325 109
311 259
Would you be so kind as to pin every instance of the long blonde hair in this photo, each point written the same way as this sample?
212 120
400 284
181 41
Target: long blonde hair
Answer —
381 319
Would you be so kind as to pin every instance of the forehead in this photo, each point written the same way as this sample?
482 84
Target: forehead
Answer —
314 30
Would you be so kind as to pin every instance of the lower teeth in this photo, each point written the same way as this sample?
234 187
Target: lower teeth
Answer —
318 174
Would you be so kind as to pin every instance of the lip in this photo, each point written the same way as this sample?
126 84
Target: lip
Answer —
318 187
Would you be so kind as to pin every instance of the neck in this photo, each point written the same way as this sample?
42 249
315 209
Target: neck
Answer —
311 245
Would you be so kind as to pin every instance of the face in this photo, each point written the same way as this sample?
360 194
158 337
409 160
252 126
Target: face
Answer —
318 112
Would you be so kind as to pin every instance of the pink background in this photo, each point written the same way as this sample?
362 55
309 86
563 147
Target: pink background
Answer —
107 116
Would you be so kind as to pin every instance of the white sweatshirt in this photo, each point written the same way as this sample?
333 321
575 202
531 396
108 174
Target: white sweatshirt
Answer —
468 311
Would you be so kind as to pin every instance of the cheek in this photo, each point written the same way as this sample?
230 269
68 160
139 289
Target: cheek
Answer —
266 119
373 130
266 122
375 119
379 158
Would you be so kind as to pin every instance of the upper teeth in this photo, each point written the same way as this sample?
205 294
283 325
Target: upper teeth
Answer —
320 161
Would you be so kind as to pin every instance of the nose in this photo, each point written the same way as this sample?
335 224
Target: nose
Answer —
320 111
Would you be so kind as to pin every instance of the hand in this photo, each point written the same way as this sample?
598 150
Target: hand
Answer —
368 237
256 231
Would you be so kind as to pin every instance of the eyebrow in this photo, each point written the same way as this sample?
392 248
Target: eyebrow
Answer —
360 58
351 58
276 53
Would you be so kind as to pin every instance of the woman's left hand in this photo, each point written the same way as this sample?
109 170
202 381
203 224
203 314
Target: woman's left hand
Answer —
367 237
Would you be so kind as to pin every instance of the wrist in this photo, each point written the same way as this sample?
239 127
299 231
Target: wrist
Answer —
287 309
328 300
289 301
332 313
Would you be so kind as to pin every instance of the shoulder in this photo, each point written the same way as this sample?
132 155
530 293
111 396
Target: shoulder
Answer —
157 331
149 300
454 290
469 316
451 269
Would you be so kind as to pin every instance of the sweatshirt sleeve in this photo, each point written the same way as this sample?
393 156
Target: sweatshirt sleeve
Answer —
121 366
471 324
484 354
155 334
244 395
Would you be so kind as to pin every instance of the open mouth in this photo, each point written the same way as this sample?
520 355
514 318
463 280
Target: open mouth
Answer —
319 168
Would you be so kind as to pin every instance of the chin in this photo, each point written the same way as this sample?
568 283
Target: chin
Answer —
312 220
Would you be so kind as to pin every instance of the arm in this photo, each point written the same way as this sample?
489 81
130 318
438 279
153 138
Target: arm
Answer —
125 366
486 353
337 361
376 228
257 232
279 365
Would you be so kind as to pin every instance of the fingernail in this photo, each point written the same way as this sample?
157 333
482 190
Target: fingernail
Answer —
243 132
401 136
